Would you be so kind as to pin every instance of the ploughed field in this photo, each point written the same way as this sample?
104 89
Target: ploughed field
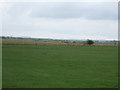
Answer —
59 66
52 43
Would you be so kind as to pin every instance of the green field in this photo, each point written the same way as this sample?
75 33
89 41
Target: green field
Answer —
34 40
50 66
0 66
39 40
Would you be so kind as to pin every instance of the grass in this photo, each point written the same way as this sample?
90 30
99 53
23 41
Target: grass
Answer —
50 66
33 40
0 66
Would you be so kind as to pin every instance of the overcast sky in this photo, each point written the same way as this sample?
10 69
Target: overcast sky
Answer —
61 20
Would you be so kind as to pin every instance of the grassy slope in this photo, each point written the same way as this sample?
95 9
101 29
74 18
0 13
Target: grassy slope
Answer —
51 66
32 40
39 40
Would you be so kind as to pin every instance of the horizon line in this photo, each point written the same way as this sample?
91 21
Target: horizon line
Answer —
55 38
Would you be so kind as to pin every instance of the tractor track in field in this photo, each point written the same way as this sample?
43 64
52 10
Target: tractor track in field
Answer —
49 43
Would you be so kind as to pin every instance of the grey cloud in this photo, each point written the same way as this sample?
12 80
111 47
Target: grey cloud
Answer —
88 10
28 19
75 10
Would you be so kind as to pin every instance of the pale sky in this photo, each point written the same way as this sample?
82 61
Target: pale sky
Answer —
61 20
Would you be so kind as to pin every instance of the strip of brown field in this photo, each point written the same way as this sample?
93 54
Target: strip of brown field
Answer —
48 43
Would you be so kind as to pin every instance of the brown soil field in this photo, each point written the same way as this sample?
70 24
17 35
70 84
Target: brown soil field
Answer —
48 43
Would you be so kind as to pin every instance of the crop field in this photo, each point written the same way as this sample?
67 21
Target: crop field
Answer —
59 66
34 40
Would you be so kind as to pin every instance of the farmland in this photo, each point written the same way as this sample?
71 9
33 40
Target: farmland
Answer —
59 66
55 41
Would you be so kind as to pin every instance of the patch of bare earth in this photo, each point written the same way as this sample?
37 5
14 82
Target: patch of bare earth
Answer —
48 43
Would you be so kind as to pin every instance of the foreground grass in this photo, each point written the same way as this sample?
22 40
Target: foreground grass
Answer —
50 66
0 76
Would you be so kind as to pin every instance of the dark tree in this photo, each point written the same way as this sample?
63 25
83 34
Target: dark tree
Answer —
90 42
74 41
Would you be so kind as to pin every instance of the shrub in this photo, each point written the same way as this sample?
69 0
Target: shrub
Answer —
90 42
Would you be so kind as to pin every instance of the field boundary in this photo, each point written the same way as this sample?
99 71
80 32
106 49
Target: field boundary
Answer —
48 43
